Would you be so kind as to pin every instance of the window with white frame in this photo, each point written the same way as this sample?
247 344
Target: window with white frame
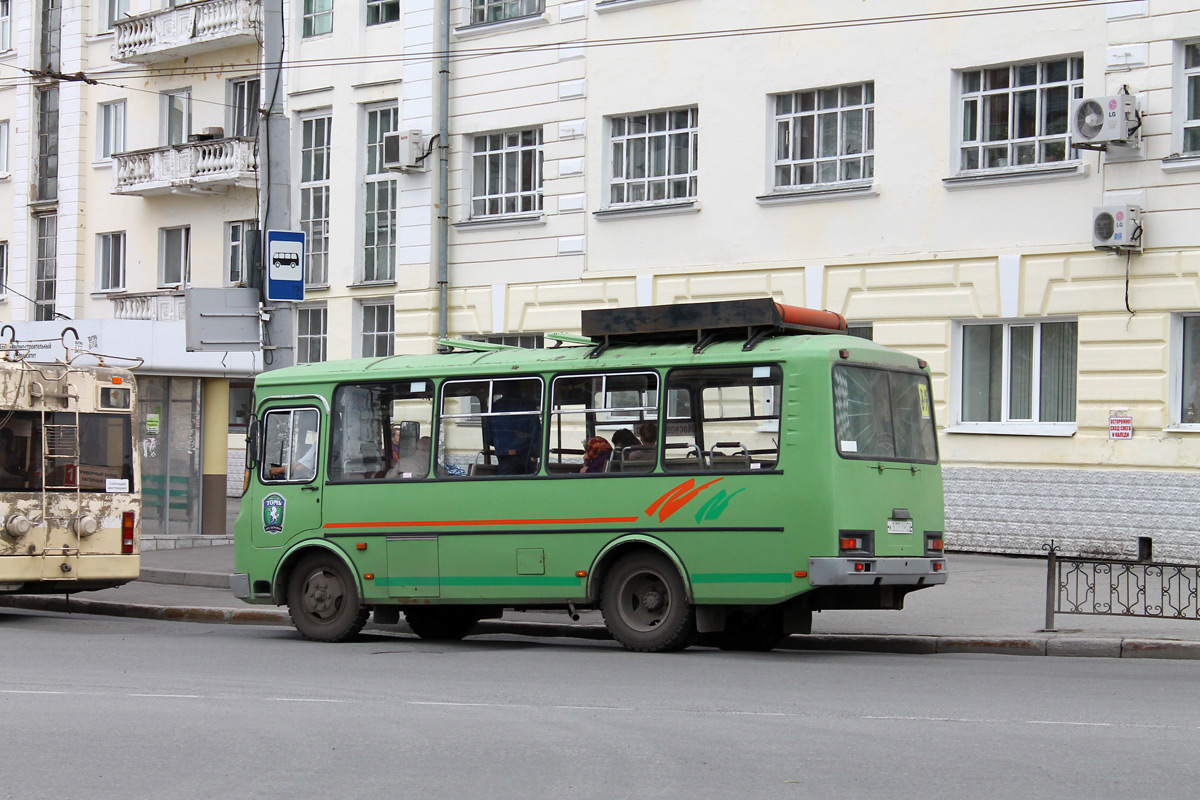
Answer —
3 269
177 116
654 157
3 147
380 12
825 135
1016 114
1191 82
110 261
110 130
314 196
45 273
1019 371
506 175
311 334
378 329
239 251
114 12
243 107
174 256
5 25
1189 373
498 10
379 226
46 166
317 17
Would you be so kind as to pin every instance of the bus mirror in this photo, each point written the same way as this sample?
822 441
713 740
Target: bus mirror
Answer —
252 443
410 432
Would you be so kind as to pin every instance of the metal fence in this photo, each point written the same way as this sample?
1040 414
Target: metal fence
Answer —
1120 588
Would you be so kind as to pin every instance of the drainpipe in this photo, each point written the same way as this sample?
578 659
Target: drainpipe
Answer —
442 99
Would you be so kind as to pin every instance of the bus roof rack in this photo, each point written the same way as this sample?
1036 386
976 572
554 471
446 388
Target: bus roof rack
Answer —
705 323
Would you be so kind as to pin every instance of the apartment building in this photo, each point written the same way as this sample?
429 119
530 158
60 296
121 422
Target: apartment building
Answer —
121 191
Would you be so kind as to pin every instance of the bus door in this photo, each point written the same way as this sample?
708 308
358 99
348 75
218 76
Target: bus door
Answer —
288 495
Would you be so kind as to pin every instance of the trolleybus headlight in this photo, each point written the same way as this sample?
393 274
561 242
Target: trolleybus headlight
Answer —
17 525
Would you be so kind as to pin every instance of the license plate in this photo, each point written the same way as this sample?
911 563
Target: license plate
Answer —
900 526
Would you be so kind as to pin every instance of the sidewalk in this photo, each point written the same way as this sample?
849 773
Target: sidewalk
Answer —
991 604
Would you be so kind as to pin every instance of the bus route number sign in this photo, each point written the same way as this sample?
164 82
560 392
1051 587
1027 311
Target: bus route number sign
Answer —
285 265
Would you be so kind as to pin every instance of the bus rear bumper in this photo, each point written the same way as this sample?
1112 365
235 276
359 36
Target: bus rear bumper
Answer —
876 571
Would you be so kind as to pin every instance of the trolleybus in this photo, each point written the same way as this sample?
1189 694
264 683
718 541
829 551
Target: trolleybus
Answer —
713 469
69 500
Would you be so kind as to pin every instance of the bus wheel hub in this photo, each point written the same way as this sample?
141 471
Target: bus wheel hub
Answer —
653 601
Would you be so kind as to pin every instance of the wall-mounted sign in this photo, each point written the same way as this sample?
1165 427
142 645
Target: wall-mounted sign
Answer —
1120 427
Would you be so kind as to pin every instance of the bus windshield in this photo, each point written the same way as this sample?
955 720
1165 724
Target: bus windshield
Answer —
883 414
100 451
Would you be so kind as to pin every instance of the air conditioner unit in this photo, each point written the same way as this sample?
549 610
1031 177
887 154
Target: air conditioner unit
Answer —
1117 228
1097 122
404 151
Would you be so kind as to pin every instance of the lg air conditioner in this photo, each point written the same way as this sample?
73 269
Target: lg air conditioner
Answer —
404 151
1117 228
1097 122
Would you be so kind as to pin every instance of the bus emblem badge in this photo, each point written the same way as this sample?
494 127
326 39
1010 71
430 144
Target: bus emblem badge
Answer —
273 508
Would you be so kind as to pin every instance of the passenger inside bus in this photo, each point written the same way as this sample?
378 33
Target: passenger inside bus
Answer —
415 464
514 437
597 455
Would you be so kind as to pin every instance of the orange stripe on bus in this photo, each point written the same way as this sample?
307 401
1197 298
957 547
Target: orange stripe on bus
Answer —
452 522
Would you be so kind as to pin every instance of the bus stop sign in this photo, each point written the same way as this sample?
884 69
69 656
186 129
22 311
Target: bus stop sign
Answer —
285 265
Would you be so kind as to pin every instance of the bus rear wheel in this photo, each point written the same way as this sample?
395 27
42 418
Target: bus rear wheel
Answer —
323 600
441 623
644 604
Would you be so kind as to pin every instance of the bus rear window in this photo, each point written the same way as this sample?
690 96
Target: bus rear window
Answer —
883 414
100 451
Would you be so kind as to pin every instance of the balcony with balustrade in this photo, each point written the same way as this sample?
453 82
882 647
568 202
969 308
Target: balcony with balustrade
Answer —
187 30
200 167
166 305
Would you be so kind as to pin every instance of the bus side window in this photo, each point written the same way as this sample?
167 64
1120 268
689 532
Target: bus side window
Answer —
381 431
723 419
620 408
290 446
490 427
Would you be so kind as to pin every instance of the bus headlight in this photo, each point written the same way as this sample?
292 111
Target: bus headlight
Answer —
17 525
85 526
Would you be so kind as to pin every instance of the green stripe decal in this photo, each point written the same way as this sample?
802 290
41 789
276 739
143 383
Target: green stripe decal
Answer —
519 580
742 577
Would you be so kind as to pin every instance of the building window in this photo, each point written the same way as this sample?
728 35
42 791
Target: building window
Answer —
1019 372
5 25
653 157
241 405
177 116
507 173
382 11
114 12
51 34
1191 80
314 197
239 250
825 135
497 10
863 330
47 143
243 107
3 147
379 228
46 266
318 17
378 328
110 261
174 245
1016 115
3 269
111 129
310 334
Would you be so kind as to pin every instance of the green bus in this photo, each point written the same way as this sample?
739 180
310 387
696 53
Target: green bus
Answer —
716 470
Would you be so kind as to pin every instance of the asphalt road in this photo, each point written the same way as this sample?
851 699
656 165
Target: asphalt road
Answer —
115 708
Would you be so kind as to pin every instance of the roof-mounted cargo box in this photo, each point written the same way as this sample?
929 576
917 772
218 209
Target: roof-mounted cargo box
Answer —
705 323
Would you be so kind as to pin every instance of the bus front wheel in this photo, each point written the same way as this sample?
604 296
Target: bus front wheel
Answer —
644 604
324 601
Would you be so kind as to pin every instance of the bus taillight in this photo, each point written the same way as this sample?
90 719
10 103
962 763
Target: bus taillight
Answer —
127 533
856 542
933 543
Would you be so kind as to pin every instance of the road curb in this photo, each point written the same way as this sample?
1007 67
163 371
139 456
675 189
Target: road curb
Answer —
905 644
178 577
